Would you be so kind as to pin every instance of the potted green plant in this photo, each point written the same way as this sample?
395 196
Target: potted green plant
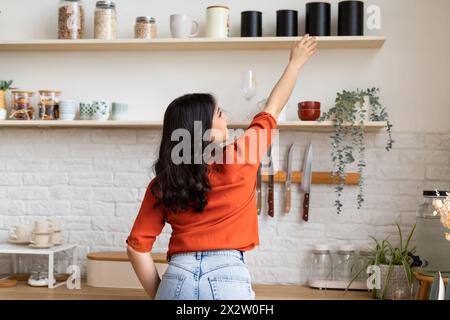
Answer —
349 115
4 87
396 266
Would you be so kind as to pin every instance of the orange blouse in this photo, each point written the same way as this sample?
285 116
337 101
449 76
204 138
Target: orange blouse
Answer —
229 221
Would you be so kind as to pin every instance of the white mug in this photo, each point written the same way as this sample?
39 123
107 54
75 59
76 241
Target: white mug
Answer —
54 224
40 240
21 233
217 22
182 26
56 238
42 227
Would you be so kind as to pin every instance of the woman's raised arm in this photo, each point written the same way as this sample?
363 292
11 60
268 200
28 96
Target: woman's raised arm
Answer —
300 54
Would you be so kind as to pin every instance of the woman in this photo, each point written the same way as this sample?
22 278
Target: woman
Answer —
209 204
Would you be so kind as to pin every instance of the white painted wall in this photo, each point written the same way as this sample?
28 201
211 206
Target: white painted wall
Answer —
412 69
94 180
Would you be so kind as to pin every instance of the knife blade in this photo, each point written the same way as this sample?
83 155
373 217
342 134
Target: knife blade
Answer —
258 190
287 206
306 179
270 189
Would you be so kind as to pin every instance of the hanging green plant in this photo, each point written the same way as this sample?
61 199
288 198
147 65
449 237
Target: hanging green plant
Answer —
349 116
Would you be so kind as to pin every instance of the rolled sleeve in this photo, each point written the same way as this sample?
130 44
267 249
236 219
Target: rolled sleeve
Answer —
148 224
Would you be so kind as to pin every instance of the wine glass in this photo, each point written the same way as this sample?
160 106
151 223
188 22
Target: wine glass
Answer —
249 88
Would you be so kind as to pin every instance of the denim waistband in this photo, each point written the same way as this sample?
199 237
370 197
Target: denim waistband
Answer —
199 254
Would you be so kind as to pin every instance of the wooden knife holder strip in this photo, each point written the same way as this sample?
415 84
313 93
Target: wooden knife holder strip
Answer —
317 178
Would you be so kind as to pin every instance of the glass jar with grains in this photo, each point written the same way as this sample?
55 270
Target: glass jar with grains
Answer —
145 28
105 20
21 105
71 19
49 104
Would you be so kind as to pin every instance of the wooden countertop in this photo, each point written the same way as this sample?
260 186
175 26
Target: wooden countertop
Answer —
263 292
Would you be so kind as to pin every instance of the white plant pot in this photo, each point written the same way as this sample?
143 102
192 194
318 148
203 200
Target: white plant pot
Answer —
3 114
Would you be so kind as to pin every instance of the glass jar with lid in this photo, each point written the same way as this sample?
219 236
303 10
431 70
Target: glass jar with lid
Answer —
71 19
321 266
431 233
105 20
49 104
21 105
366 257
145 28
346 267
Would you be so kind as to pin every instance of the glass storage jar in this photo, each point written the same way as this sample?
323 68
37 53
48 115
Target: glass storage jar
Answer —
105 20
49 104
346 266
432 246
21 105
145 28
365 258
321 265
71 19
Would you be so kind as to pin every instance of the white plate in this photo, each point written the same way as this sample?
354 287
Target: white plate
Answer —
18 242
41 247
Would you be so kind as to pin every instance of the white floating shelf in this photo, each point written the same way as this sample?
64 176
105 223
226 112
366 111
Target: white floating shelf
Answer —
287 126
263 43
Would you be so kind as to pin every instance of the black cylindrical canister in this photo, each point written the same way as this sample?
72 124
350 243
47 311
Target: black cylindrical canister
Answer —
287 23
351 18
318 19
251 24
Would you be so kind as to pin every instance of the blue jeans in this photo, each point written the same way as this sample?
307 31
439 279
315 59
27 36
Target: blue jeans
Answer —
206 275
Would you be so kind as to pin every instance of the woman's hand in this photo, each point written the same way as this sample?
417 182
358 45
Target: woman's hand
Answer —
303 50
300 54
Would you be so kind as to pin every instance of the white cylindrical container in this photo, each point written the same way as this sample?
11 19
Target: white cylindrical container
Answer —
217 22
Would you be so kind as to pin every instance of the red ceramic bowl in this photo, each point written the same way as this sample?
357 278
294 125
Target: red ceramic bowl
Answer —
309 105
309 114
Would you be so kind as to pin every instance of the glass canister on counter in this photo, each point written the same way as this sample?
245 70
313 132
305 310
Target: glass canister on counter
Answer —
346 265
22 108
49 104
71 19
105 20
145 28
321 266
366 258
432 245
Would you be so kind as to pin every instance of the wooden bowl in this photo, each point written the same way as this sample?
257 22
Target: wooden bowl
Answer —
309 114
309 105
8 283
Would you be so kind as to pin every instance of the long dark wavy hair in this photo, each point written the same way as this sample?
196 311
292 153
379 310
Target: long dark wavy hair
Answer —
180 187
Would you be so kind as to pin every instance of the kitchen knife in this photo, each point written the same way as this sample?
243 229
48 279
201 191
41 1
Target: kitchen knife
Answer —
306 180
287 206
258 190
270 189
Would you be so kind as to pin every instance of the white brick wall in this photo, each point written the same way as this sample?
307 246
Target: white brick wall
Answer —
94 181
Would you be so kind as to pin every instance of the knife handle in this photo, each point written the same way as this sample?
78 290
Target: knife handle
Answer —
287 206
270 201
306 207
258 200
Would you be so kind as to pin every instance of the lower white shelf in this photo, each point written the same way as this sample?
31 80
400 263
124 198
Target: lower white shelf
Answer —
288 126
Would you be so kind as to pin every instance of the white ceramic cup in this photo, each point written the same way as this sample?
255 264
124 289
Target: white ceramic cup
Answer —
54 224
40 240
182 26
21 233
3 114
56 238
42 227
217 22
